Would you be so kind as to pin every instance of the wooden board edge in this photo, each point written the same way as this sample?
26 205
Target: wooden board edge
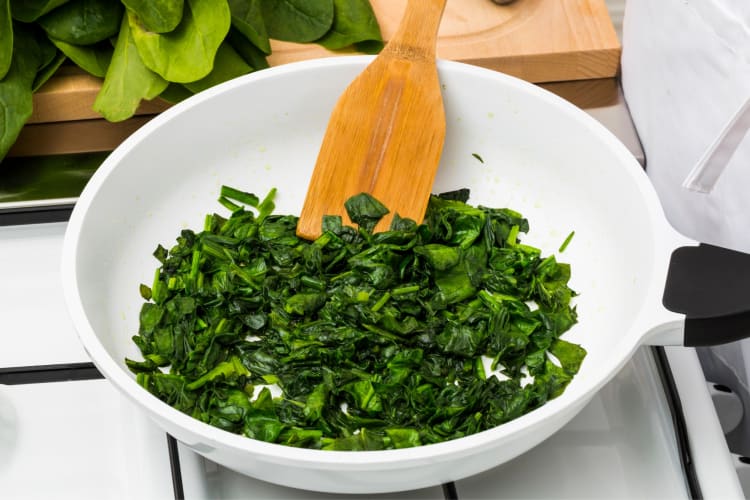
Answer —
70 137
71 96
557 67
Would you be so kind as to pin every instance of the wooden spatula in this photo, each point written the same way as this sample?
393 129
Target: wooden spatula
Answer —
386 133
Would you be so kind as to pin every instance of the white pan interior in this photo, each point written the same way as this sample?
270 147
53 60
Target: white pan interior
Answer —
541 157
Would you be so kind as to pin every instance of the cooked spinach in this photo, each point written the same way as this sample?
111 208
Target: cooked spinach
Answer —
566 242
189 44
419 334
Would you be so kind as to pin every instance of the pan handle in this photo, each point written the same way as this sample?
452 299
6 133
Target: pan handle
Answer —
710 285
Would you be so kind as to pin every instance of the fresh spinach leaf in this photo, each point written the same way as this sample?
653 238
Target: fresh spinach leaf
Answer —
187 53
45 55
369 46
252 55
28 11
178 40
247 18
297 20
175 93
94 59
158 16
31 52
15 103
45 50
6 37
353 22
49 69
227 65
127 80
83 22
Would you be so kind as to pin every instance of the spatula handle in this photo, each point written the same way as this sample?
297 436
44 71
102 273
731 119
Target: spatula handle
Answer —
416 36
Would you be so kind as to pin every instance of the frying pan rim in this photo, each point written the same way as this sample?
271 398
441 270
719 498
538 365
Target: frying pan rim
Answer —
382 459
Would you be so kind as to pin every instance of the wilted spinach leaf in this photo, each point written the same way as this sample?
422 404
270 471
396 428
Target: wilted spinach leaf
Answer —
297 20
29 11
187 53
365 211
377 341
158 16
83 22
354 22
127 80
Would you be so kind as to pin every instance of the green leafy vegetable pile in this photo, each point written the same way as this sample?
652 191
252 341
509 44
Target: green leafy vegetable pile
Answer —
377 340
148 48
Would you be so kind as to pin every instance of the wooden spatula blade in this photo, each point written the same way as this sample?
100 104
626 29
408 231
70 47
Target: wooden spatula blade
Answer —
385 135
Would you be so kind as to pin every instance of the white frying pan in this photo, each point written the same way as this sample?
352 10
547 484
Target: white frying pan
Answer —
542 157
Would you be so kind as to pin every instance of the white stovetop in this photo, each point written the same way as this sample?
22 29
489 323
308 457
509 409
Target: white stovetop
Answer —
82 439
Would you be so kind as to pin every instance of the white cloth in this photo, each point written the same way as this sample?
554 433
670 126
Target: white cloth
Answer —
685 72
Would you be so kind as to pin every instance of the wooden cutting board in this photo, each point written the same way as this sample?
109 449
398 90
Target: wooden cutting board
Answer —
536 40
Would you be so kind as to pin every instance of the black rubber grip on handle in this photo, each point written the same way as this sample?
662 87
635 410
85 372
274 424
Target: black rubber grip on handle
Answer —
710 285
